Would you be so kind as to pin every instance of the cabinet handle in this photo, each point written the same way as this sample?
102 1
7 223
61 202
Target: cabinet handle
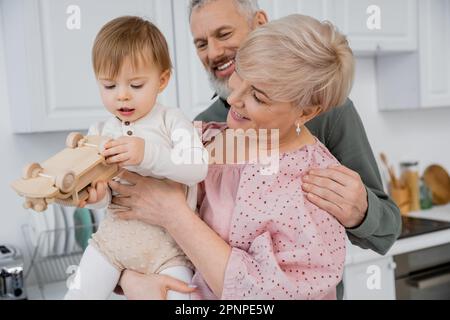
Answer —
392 265
430 280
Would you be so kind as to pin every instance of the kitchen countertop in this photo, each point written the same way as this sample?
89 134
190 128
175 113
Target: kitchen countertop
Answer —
357 255
56 291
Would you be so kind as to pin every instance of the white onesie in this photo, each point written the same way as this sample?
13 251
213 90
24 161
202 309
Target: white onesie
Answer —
173 150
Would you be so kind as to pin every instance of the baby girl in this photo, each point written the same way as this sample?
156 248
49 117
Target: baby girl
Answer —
132 66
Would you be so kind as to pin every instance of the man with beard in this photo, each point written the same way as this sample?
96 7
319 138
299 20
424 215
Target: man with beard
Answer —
353 192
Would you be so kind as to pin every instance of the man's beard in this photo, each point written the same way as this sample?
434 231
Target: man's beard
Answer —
220 86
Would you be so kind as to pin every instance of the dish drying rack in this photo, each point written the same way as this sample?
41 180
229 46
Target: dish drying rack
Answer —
50 266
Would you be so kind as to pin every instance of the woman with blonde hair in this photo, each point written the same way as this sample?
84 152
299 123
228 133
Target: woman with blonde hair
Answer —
258 236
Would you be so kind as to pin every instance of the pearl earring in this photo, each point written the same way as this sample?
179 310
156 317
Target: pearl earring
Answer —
298 130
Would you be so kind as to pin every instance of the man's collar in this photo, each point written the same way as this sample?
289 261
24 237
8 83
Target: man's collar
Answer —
224 101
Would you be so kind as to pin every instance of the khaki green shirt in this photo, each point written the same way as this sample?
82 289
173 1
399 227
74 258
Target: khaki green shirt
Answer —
342 132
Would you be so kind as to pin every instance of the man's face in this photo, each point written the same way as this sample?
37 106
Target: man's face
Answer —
218 29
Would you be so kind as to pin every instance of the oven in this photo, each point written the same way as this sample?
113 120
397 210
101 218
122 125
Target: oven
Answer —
423 274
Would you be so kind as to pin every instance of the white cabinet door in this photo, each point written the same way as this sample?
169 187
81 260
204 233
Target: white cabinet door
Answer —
51 83
435 53
398 29
420 79
373 280
358 19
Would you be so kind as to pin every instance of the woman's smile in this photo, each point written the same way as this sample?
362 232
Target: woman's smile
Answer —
237 116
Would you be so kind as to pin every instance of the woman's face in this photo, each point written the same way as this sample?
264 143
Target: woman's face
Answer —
251 108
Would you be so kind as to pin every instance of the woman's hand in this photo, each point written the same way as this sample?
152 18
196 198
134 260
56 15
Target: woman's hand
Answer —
125 151
96 193
137 286
339 191
150 200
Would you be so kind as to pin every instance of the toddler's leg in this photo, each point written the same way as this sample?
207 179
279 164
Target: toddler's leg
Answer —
95 278
181 273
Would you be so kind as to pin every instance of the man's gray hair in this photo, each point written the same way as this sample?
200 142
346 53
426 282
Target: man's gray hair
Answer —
246 7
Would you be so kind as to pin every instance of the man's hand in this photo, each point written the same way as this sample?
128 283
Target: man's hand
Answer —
339 191
125 151
138 286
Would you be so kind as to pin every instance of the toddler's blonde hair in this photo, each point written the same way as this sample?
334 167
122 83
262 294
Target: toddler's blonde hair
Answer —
302 60
133 37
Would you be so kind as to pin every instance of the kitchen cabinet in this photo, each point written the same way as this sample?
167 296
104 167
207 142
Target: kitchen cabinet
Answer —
396 31
48 57
422 247
421 79
434 53
370 280
358 19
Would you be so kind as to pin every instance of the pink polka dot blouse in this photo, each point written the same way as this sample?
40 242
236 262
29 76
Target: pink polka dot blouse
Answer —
283 246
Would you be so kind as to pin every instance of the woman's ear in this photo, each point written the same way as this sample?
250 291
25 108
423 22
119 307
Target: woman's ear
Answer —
164 80
308 113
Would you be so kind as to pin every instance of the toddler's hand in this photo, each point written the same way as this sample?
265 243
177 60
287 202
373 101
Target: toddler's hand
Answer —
96 194
125 151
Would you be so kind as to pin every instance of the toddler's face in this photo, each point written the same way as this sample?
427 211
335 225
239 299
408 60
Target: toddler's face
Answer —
132 94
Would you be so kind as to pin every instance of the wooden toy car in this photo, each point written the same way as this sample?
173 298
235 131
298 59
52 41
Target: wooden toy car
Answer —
65 177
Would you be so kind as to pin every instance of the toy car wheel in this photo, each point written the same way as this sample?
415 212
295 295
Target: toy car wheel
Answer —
40 206
73 139
28 204
66 182
31 171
